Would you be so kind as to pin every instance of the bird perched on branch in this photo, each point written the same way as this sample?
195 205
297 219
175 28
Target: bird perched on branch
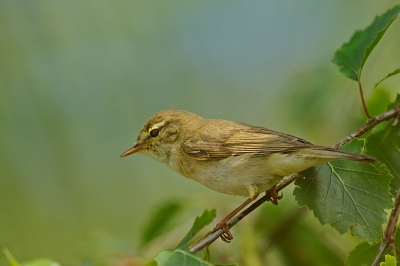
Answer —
230 157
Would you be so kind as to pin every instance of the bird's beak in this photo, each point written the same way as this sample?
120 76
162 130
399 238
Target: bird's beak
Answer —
137 147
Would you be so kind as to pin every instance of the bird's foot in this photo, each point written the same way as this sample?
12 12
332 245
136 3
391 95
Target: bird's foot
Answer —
273 195
226 235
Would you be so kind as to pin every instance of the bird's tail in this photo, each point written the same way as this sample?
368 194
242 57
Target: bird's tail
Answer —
332 154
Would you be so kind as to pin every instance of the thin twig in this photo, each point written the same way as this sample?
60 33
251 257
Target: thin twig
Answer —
371 123
388 237
215 235
362 99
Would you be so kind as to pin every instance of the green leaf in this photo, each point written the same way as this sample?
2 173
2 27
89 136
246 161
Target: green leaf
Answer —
384 144
378 101
285 228
36 262
389 261
198 224
179 257
10 258
351 57
151 263
348 195
363 254
160 220
395 103
397 71
40 262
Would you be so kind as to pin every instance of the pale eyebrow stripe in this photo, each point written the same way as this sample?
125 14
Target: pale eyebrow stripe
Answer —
158 125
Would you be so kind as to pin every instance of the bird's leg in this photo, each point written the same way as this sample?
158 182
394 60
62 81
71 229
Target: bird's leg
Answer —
253 190
273 196
227 236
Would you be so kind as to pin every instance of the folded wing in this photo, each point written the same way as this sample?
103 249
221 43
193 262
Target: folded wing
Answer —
254 140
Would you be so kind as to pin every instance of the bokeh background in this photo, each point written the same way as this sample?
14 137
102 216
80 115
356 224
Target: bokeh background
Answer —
78 79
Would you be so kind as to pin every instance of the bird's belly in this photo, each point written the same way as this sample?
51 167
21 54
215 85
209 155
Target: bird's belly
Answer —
233 175
238 184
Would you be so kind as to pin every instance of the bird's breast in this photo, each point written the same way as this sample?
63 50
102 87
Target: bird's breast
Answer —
231 175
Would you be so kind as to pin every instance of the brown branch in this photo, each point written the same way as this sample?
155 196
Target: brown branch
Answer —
371 123
215 235
362 99
388 237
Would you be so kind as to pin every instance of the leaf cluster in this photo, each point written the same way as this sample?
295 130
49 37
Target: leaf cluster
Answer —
351 196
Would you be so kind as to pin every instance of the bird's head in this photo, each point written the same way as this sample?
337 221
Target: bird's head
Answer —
163 133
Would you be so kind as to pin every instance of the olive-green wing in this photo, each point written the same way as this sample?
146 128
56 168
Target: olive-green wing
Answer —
257 141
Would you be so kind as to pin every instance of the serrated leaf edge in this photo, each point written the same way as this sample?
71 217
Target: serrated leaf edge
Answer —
382 169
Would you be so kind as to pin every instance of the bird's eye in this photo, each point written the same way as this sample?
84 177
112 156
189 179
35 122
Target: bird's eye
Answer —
154 133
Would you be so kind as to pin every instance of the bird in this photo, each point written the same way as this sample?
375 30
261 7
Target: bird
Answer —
230 157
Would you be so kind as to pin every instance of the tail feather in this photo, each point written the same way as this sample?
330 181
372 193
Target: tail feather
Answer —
329 153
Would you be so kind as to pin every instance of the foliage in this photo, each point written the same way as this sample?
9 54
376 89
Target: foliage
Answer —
384 144
389 261
363 254
395 72
352 56
198 224
36 262
181 255
348 195
159 221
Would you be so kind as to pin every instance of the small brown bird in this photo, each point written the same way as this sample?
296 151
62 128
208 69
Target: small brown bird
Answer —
230 157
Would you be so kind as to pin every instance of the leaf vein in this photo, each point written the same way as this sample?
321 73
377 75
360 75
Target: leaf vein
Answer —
352 199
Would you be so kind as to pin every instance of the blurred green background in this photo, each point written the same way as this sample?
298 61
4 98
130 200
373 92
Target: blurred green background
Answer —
78 79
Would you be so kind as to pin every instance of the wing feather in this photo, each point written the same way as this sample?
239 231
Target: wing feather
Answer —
219 144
